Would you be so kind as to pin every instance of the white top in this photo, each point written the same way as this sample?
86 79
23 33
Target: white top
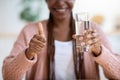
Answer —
64 68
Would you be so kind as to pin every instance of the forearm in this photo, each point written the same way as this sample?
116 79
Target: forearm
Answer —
17 67
110 63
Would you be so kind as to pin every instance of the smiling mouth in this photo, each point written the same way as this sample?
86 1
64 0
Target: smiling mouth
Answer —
60 10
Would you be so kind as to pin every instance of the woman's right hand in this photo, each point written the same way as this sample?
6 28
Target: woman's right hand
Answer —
36 43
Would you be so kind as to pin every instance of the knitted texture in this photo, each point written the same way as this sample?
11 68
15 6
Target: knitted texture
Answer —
16 64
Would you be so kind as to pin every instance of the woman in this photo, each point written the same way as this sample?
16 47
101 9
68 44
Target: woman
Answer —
44 50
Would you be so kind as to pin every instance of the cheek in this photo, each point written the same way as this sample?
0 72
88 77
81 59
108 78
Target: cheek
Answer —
49 5
71 4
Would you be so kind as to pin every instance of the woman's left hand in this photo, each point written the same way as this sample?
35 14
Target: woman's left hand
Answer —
93 40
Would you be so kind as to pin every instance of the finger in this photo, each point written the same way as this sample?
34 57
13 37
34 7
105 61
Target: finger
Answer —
88 31
92 35
40 29
82 43
74 36
79 37
91 31
96 48
38 43
93 41
37 48
40 38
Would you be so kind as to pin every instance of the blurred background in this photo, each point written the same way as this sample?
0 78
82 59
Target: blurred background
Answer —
15 14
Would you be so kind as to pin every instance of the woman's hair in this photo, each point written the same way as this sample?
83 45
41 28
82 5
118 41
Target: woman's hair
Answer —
51 48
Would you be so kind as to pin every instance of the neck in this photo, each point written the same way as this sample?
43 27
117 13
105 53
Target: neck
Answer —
62 29
64 23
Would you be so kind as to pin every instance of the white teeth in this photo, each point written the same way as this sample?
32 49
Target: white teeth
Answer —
61 10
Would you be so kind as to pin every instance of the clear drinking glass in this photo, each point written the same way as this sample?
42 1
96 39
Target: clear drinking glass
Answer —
81 24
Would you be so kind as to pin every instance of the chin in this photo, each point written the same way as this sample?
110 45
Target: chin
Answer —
61 16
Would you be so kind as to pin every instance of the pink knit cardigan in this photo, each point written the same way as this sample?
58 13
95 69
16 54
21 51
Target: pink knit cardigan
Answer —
16 65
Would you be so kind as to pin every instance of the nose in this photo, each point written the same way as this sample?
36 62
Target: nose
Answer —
60 2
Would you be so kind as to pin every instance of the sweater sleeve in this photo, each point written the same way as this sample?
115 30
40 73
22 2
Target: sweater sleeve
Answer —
16 64
109 61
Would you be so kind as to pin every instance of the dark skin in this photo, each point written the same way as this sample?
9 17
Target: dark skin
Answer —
62 33
61 11
36 43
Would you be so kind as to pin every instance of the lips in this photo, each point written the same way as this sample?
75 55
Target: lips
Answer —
60 10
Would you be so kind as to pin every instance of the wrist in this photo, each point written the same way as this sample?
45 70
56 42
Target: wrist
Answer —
28 54
97 52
